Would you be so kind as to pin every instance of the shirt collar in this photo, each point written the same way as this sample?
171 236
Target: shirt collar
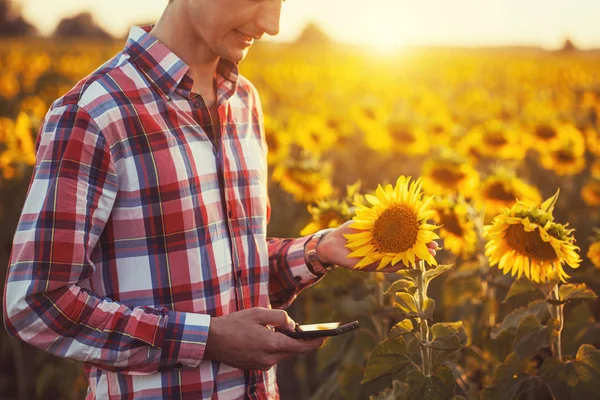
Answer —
165 69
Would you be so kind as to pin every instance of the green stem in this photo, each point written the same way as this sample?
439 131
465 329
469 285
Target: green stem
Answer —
424 324
557 311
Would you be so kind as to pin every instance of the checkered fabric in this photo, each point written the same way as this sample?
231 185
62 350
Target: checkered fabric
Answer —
143 220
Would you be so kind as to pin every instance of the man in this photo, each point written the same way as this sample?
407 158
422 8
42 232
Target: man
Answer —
141 250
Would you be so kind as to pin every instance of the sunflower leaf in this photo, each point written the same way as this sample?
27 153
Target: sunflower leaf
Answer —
514 318
402 285
570 292
401 328
410 274
574 379
521 286
511 381
428 308
389 357
435 272
548 205
398 391
439 386
448 339
406 303
531 337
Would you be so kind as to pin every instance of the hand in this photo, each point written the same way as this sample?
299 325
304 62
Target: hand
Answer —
332 250
243 340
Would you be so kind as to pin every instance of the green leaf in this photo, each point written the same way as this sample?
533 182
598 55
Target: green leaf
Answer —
511 382
519 287
401 328
410 274
389 357
439 386
574 379
428 309
435 272
569 292
398 391
406 303
513 319
448 338
402 285
531 337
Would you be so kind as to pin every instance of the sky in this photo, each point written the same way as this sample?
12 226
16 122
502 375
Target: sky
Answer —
382 23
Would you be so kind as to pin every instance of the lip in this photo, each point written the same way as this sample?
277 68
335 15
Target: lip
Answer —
247 36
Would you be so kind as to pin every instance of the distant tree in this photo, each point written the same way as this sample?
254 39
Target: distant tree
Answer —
12 22
80 26
568 46
313 34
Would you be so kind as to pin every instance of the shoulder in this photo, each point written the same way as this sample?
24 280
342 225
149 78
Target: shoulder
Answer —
104 92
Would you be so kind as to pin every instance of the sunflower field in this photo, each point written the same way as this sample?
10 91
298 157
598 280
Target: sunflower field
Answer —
493 153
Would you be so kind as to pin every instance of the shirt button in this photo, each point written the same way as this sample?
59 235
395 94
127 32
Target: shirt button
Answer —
298 278
238 274
197 104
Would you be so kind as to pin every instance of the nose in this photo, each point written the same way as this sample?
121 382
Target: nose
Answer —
269 16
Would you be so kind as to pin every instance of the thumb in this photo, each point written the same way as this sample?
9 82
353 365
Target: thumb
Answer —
277 318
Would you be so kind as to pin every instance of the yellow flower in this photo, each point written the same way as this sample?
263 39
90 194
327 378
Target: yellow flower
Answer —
594 254
278 141
457 225
331 213
394 228
524 239
566 160
547 134
407 138
496 139
307 180
448 175
590 192
502 189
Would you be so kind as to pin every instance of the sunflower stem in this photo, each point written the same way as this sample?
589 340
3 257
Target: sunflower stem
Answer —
424 324
557 311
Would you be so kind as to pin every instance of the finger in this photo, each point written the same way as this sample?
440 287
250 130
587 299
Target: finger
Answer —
433 245
300 346
276 318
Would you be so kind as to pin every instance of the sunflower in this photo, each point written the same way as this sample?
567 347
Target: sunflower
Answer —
307 179
594 254
394 228
457 225
547 134
331 213
499 140
502 189
524 239
449 174
568 158
407 138
590 192
278 141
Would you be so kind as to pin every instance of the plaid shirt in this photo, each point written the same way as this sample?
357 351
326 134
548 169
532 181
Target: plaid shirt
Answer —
137 229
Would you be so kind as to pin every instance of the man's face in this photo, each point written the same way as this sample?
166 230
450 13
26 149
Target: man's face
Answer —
229 27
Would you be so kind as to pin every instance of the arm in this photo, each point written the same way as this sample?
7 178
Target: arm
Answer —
69 201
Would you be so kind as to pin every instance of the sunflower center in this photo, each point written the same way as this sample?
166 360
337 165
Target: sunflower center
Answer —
396 229
495 139
564 156
545 132
529 244
402 135
447 176
451 223
498 191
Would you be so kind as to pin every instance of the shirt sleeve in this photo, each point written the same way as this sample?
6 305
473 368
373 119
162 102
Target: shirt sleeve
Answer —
69 200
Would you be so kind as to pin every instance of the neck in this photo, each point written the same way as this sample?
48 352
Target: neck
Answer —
174 31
